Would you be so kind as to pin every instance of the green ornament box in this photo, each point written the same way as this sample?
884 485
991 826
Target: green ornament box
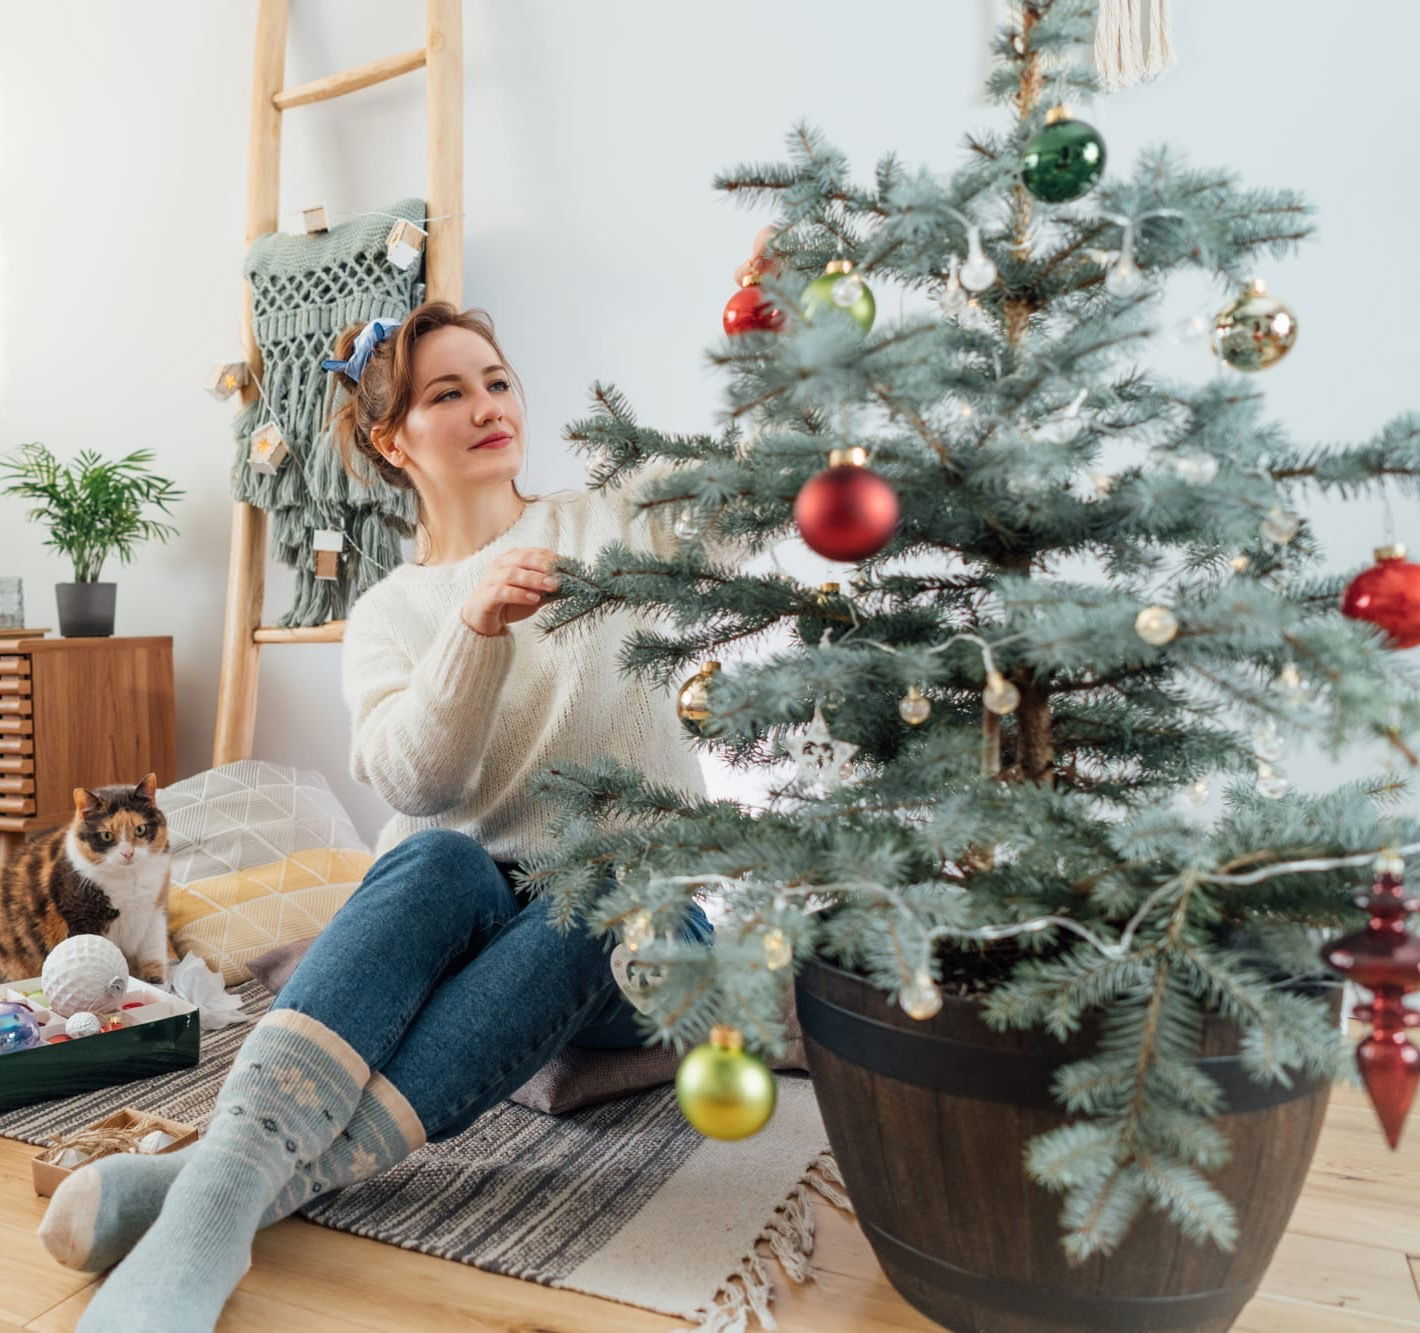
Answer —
160 1036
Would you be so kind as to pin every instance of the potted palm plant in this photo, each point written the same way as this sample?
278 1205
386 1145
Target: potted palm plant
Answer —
94 509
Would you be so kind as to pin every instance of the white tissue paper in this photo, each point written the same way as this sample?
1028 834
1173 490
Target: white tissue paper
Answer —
155 1141
196 983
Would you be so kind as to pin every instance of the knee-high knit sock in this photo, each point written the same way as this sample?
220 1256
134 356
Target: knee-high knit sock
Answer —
294 1086
100 1213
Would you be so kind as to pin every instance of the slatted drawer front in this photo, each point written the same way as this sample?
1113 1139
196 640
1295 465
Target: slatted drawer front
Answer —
16 784
17 765
17 805
15 705
15 685
10 665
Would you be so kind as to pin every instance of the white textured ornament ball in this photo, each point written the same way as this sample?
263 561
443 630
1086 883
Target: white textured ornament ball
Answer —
83 1024
85 972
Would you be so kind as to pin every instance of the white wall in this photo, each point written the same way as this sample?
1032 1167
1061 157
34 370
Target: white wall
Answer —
592 133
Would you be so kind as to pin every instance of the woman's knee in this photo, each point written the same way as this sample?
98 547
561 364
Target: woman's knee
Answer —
445 870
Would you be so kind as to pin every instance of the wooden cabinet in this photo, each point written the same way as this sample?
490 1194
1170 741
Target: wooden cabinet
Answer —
79 713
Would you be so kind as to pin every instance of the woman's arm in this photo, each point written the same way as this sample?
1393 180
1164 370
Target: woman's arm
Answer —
421 727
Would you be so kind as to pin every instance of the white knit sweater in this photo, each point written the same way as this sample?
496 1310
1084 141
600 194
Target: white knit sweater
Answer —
450 726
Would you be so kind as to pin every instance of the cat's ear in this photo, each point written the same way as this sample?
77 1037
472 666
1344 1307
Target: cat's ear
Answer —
85 802
146 789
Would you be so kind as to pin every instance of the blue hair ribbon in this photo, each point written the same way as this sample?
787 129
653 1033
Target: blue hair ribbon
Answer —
370 337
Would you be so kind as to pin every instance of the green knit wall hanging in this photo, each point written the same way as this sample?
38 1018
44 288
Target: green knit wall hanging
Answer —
304 291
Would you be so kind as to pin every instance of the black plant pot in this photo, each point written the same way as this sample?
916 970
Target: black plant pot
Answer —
85 609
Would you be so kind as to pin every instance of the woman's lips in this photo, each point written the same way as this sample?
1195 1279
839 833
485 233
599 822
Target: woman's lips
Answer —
494 442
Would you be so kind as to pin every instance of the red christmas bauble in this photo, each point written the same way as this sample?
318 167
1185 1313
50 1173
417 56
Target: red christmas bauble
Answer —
1388 595
750 311
846 512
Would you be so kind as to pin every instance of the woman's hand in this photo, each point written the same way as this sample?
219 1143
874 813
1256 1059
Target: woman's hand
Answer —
759 263
512 589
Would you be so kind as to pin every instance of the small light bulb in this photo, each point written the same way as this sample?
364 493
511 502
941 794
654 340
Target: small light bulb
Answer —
1197 791
920 998
1103 484
1124 278
1240 563
1289 681
978 273
1389 862
1271 783
1156 625
1000 696
1197 468
637 932
914 707
1279 526
777 952
953 299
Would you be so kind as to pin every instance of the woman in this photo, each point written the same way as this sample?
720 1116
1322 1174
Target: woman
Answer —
439 987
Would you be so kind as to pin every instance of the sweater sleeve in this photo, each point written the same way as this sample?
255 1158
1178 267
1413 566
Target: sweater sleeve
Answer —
421 727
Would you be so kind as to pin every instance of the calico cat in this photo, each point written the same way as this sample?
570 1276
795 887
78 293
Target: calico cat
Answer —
104 873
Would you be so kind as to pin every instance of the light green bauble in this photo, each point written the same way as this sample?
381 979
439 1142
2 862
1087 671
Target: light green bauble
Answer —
840 288
723 1091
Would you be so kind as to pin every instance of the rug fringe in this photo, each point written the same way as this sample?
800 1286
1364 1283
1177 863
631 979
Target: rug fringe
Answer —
790 1235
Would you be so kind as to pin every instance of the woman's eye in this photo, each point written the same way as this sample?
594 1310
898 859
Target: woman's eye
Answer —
445 394
106 835
504 383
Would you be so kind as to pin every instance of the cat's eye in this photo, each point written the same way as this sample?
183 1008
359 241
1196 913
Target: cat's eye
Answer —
105 835
141 831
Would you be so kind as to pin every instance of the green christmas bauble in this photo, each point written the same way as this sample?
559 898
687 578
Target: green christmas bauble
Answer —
723 1091
839 287
1063 161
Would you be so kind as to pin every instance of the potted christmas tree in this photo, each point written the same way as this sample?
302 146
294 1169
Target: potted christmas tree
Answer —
1031 961
94 509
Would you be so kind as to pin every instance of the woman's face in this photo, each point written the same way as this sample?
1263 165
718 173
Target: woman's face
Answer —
465 425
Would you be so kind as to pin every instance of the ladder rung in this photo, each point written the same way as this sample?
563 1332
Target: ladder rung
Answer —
333 631
350 80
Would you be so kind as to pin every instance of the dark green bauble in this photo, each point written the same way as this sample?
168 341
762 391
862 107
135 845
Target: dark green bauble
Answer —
1063 161
811 627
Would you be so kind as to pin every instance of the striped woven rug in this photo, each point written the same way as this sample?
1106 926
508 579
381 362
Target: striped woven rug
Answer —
623 1200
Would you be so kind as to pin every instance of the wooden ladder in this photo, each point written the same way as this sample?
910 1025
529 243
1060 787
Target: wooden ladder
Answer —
442 56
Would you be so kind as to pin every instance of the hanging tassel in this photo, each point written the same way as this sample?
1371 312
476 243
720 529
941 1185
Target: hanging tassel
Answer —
1160 37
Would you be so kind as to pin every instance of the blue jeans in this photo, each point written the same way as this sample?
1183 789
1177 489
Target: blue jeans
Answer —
454 985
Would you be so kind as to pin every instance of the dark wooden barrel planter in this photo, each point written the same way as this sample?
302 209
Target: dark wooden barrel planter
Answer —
929 1123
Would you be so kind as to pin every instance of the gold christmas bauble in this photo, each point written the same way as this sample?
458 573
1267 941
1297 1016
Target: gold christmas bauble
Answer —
914 707
723 1091
692 702
1255 331
1000 696
1156 625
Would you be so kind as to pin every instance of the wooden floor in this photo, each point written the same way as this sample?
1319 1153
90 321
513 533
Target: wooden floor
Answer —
1350 1262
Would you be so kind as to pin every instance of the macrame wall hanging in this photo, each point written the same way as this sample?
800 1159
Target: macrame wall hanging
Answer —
1130 45
305 290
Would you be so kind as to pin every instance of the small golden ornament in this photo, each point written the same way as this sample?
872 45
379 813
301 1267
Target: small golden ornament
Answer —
1255 331
637 932
1389 862
1000 696
921 997
1240 562
1155 625
777 952
692 703
723 1091
914 707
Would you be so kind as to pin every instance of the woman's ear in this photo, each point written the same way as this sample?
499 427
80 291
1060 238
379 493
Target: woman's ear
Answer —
386 447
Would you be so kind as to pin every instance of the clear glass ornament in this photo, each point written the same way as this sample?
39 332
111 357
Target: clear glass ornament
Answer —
847 291
979 272
1267 743
1289 682
1197 791
1102 484
687 526
1156 625
777 953
914 708
1279 526
1271 783
1199 469
920 998
1125 277
952 299
636 933
1000 696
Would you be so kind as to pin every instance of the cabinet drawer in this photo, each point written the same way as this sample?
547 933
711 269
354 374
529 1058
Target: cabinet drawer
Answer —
17 805
13 784
16 726
14 705
14 684
16 763
10 665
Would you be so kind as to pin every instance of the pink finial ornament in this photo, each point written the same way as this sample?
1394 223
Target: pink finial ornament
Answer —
1384 957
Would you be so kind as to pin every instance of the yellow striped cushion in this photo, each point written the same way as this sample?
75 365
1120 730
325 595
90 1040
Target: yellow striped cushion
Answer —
232 918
